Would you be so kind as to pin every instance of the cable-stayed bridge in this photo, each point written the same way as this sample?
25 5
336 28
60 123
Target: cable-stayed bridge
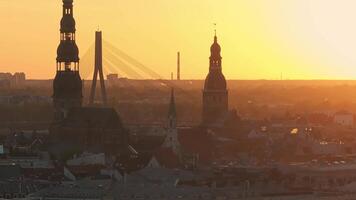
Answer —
116 61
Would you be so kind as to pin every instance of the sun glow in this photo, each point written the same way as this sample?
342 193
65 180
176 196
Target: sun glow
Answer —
260 39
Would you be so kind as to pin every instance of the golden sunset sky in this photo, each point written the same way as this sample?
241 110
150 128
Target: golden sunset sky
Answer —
260 39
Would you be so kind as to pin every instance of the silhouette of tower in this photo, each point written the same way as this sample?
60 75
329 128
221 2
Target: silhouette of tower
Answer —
98 69
172 113
178 66
215 94
171 140
67 85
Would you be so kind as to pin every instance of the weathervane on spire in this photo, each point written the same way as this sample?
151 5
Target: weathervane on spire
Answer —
214 28
215 37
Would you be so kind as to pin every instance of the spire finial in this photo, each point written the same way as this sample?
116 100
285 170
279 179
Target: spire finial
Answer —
215 37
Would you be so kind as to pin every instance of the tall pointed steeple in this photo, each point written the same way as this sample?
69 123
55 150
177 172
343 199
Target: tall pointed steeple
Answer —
172 105
171 140
172 113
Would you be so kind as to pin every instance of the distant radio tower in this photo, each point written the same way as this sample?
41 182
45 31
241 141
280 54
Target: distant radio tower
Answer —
98 68
178 66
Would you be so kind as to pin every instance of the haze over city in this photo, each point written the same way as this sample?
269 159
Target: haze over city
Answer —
179 99
262 39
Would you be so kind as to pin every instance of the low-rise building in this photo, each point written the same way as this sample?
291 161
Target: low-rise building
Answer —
344 118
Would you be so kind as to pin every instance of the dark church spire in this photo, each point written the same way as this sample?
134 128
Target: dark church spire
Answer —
171 140
172 113
67 52
215 57
67 85
215 79
215 37
172 105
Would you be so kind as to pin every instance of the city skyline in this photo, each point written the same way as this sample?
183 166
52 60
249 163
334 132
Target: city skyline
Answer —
77 136
260 40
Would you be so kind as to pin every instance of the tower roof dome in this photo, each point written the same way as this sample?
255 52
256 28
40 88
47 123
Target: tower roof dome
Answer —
67 24
67 51
215 47
215 81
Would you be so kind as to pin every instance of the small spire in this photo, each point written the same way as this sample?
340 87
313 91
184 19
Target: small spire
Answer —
215 37
172 104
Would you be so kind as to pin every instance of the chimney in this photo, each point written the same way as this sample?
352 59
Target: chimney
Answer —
178 66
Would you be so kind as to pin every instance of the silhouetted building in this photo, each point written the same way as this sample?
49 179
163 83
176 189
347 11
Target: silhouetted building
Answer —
215 94
185 147
8 80
5 83
112 77
171 140
112 80
19 79
172 113
67 85
77 127
96 128
5 76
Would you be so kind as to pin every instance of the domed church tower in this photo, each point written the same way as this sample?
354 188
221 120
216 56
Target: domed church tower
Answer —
215 94
67 85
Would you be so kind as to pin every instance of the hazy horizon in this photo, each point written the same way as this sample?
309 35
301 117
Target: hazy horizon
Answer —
304 40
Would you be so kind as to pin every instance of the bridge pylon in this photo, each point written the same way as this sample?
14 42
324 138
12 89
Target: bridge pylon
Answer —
98 69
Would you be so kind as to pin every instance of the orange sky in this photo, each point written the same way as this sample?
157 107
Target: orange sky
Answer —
260 39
